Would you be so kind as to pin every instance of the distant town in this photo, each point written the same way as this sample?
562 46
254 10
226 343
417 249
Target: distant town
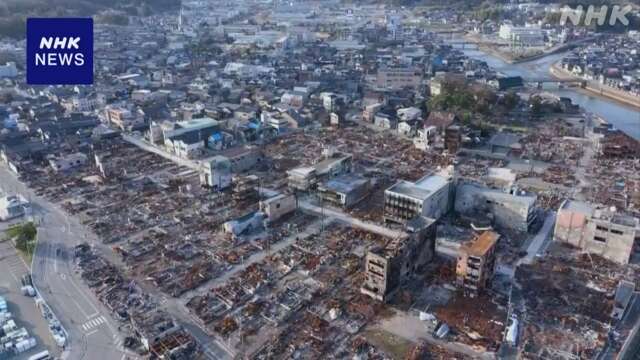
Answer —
324 180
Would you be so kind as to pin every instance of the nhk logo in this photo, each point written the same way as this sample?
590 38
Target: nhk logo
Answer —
59 51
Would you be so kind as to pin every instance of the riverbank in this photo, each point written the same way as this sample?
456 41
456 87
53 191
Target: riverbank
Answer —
595 88
507 57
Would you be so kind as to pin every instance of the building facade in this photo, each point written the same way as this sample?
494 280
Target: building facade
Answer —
430 197
388 266
604 232
476 262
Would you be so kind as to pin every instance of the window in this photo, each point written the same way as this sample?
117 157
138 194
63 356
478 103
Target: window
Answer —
601 228
617 232
599 238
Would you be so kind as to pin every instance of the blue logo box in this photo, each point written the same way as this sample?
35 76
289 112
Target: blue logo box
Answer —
59 51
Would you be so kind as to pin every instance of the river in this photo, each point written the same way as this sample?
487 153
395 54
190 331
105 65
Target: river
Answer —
621 116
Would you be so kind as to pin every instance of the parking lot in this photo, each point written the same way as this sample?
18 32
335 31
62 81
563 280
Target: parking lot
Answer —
23 308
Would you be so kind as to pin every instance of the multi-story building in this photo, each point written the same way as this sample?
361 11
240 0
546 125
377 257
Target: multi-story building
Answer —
522 36
386 267
307 177
345 190
278 206
510 209
123 118
398 77
476 262
430 196
601 231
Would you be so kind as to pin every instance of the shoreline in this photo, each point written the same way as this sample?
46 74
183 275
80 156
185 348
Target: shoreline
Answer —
603 92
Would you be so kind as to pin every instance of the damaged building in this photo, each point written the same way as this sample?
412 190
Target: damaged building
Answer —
345 190
387 266
605 232
307 177
515 211
476 262
278 206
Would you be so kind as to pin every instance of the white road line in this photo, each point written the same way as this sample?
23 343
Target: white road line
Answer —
14 276
82 294
92 332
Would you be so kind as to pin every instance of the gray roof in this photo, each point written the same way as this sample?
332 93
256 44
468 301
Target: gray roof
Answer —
345 184
506 140
410 189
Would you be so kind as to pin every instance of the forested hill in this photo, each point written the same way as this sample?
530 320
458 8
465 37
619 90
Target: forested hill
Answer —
13 13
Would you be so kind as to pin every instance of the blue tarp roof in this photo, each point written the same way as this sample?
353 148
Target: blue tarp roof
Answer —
215 137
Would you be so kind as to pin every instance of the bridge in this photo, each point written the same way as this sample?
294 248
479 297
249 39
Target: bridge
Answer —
539 82
462 44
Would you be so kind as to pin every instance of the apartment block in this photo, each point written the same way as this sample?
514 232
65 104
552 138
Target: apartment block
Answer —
476 261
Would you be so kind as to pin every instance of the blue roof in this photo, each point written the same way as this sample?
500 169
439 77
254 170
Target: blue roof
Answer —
215 137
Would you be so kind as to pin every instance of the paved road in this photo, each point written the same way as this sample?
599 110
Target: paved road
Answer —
92 332
541 239
305 204
158 151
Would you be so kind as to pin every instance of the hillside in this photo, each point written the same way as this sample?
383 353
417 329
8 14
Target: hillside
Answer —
13 13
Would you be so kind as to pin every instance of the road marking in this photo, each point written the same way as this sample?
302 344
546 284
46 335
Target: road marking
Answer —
83 294
92 332
92 315
93 323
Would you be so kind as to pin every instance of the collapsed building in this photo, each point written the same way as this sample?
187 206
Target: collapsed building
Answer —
513 211
605 232
476 262
389 265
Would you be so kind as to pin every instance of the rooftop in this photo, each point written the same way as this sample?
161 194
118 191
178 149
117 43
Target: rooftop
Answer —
421 189
345 183
481 244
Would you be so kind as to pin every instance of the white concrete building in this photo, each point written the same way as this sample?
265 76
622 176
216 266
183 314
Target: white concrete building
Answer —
13 206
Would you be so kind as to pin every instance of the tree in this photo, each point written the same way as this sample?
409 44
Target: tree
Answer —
510 100
535 105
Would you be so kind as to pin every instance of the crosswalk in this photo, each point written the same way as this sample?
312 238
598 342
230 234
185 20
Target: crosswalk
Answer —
90 324
119 342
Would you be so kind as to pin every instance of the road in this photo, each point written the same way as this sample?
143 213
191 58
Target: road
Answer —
541 239
305 204
92 332
158 151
